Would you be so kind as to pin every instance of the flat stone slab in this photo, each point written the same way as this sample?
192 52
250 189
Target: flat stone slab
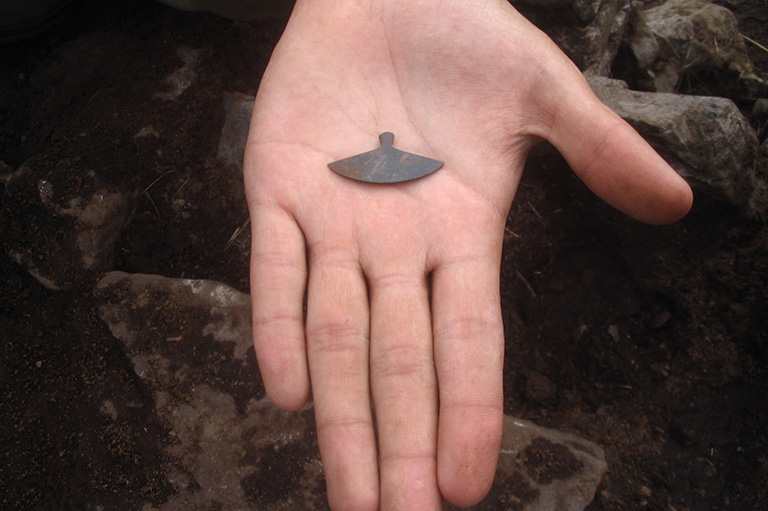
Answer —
543 469
228 448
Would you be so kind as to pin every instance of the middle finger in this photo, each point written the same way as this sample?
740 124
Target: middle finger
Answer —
337 350
403 384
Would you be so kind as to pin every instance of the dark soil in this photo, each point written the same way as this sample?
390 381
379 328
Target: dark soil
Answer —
650 341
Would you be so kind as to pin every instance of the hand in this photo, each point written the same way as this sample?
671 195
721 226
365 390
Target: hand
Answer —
402 280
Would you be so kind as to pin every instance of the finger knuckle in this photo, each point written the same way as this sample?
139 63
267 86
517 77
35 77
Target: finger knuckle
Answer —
336 336
469 327
400 361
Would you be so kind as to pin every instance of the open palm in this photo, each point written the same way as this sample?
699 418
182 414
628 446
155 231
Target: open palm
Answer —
401 281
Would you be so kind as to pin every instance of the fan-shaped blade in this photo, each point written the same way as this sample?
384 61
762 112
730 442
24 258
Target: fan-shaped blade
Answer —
385 164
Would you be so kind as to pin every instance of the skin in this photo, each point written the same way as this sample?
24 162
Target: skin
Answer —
402 281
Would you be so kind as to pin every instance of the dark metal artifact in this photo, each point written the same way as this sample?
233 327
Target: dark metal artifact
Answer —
385 164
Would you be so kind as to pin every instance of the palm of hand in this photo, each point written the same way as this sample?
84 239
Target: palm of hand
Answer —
402 280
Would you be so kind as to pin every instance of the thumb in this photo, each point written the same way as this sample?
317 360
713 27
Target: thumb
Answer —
613 160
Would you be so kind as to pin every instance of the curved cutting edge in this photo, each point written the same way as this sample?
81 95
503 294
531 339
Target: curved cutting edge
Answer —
385 164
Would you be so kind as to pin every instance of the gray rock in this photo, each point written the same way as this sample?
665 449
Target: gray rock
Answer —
543 470
588 31
228 448
62 220
688 37
238 108
189 342
706 139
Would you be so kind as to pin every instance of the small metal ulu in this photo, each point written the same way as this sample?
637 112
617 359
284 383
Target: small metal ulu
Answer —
385 164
